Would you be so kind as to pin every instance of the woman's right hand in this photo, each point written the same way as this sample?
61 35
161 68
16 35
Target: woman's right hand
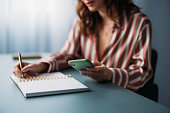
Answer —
30 69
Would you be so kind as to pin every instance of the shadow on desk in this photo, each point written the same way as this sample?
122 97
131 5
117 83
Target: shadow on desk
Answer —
150 89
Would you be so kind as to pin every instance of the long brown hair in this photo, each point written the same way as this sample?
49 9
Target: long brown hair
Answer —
90 22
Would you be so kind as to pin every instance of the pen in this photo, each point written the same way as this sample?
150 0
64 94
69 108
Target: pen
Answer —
20 62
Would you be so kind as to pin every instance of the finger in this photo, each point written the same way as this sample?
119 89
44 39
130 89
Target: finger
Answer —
27 68
87 73
31 74
18 74
96 68
97 63
93 75
17 66
16 69
25 64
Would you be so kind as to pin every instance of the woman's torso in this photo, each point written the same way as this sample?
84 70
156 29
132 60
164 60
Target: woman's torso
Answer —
117 51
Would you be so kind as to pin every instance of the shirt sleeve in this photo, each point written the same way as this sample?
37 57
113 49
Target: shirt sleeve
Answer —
70 50
140 70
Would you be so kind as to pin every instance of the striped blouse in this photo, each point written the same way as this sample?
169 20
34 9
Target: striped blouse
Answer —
128 54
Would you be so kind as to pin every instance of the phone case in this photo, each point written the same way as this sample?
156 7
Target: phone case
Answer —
80 64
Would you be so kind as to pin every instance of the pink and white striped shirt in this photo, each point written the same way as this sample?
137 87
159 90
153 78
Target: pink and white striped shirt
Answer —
128 54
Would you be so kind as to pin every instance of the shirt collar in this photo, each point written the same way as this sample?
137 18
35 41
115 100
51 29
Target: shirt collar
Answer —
117 24
120 21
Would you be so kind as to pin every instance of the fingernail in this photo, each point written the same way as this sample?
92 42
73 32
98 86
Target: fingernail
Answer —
87 68
23 70
81 72
20 73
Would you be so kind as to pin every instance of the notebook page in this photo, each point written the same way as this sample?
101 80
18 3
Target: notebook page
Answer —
56 83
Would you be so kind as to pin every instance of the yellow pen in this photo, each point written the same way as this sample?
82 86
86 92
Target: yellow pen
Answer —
20 62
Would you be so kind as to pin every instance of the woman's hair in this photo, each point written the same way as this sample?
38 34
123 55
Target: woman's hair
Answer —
90 22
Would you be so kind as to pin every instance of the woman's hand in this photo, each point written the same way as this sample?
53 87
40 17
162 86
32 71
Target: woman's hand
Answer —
100 72
30 68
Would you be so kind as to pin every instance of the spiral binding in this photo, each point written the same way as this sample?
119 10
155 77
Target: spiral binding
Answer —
44 78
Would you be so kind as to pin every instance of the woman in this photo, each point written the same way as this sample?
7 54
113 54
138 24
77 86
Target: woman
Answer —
114 34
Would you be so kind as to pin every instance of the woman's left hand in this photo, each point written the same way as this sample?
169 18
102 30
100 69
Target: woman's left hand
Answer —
100 72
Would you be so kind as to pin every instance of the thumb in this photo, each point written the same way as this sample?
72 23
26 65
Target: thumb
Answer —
97 63
25 64
26 68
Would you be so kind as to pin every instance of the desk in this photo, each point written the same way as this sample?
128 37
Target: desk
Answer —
102 97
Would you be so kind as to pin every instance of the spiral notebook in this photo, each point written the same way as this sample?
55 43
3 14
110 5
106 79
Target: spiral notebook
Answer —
48 84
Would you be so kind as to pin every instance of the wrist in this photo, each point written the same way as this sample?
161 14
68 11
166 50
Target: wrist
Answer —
44 66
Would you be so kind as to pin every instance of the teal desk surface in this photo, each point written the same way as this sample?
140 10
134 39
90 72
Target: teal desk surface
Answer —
102 97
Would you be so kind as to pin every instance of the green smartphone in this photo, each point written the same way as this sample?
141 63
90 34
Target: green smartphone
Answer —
80 64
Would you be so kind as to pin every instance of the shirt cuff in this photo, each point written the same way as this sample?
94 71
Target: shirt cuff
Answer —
52 65
113 75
